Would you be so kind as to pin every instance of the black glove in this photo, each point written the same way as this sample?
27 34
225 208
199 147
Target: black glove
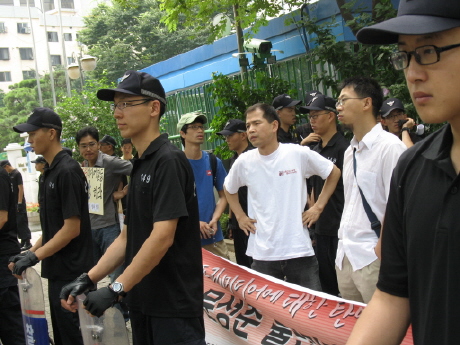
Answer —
16 258
97 302
27 260
80 285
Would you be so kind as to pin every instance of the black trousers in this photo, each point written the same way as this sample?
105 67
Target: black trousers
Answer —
66 326
326 251
23 223
148 330
11 326
240 241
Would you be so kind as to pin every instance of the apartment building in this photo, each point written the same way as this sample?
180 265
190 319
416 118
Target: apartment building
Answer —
48 27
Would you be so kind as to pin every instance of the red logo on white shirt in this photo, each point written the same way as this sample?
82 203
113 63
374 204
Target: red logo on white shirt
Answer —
287 172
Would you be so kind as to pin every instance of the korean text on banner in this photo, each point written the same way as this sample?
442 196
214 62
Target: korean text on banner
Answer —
95 177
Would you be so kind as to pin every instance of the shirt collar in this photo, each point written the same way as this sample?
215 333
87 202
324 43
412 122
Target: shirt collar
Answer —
61 154
155 145
369 139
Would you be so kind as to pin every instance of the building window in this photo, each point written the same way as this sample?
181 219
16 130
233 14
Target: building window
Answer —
28 75
3 29
24 3
5 76
67 4
67 37
23 28
7 2
4 54
56 60
70 60
48 4
26 53
52 36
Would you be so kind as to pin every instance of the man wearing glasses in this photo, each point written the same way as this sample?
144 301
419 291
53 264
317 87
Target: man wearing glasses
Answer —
332 145
396 121
209 174
367 167
160 241
419 278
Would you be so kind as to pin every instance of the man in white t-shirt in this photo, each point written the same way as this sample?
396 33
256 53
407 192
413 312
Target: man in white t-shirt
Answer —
275 176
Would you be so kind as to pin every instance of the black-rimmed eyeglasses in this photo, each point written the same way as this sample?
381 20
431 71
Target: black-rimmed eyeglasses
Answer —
424 55
123 105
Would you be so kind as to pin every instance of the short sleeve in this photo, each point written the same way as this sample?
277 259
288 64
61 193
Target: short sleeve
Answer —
315 164
221 173
235 178
71 193
18 178
171 189
393 277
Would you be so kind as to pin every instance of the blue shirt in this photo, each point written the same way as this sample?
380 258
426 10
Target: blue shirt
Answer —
205 191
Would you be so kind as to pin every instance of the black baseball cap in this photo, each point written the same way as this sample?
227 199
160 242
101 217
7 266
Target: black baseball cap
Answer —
319 102
107 139
136 83
415 17
4 163
233 126
389 105
310 94
284 101
40 118
39 159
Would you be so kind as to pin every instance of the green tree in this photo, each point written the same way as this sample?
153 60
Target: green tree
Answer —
133 37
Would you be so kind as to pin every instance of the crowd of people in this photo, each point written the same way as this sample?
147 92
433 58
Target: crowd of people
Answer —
370 220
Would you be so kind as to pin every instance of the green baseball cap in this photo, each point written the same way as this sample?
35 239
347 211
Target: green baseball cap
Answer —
191 118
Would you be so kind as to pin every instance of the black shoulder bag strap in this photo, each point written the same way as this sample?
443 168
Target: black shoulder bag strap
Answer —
213 161
375 223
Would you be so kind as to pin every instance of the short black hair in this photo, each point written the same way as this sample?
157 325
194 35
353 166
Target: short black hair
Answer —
126 141
92 131
366 87
184 129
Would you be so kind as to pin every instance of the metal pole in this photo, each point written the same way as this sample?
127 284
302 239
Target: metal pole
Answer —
67 79
49 56
37 77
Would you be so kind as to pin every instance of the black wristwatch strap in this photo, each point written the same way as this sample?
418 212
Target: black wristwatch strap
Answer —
405 129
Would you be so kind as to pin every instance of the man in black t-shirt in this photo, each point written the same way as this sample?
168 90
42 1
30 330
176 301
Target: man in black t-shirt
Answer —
237 140
11 327
65 247
160 241
395 120
21 218
332 145
286 109
419 276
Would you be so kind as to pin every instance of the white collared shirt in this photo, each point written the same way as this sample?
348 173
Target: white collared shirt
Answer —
376 156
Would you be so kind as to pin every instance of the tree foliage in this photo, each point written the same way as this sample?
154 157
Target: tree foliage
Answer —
132 37
233 95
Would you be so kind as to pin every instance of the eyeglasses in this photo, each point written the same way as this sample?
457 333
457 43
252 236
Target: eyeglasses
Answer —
394 116
314 117
195 127
341 101
91 145
123 105
424 55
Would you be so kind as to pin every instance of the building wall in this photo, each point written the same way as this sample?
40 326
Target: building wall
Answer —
11 15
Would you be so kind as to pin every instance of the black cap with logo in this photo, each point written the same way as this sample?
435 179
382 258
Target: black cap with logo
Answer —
233 126
40 118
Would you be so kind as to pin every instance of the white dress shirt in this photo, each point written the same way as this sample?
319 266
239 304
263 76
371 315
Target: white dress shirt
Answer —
376 156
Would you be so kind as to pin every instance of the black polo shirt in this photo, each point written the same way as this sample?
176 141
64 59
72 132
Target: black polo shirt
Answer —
16 179
421 241
162 187
329 220
286 137
64 195
9 244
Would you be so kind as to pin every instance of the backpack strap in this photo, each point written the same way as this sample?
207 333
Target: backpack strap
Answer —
213 161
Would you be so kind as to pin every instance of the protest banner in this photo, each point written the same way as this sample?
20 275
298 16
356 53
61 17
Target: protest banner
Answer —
242 306
95 177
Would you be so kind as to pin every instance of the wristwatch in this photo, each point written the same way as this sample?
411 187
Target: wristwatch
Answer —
405 129
117 287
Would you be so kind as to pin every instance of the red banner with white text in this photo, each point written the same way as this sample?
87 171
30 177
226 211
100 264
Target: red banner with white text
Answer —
242 306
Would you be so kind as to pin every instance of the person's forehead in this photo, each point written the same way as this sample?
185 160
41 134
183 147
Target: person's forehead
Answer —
396 111
317 111
87 138
348 91
119 96
255 115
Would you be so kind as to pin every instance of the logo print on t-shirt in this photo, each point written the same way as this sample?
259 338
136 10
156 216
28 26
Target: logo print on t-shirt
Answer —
208 173
51 185
145 178
287 172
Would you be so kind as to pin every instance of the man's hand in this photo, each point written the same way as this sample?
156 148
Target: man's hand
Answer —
206 230
410 123
19 263
311 216
97 302
312 138
69 292
247 225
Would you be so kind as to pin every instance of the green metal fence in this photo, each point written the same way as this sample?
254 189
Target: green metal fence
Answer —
297 71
